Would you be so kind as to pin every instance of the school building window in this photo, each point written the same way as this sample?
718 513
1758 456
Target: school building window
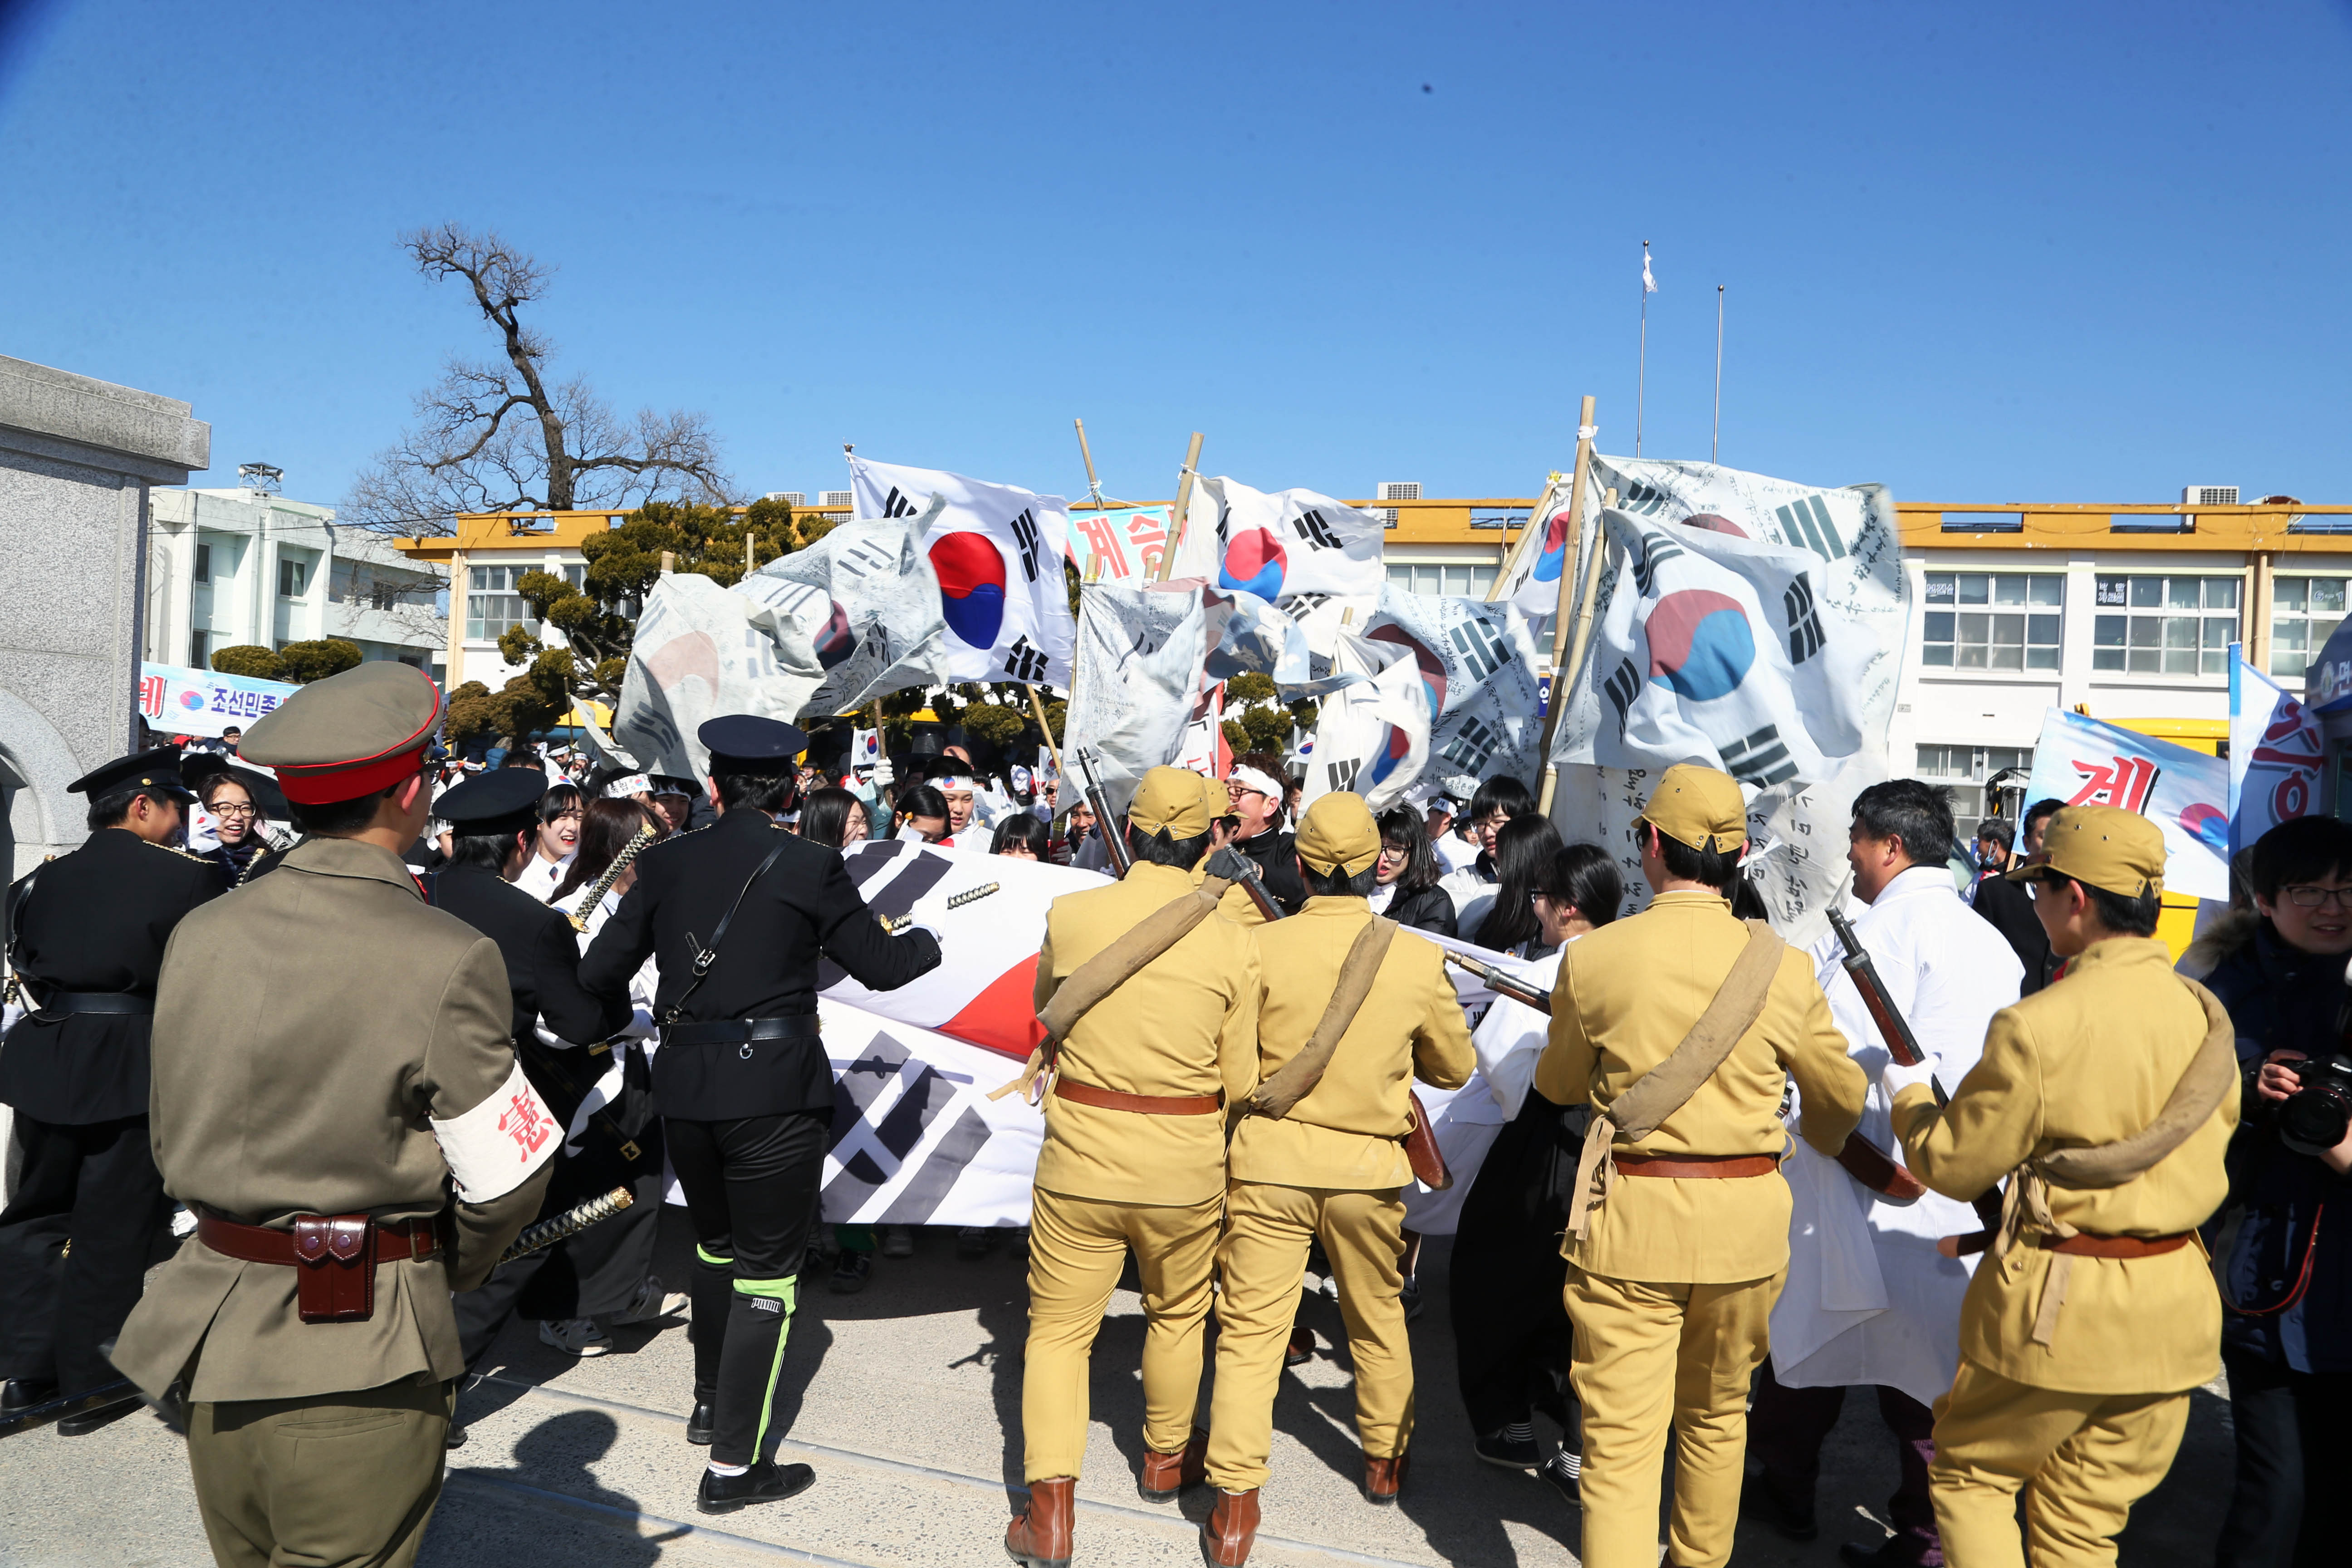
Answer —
1963 770
2303 610
1991 620
491 603
2165 625
1462 581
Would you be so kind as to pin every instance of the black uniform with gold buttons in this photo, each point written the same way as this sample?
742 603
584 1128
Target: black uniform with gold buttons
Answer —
87 932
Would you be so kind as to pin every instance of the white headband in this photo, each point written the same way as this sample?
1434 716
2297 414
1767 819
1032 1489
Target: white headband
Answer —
630 785
1250 778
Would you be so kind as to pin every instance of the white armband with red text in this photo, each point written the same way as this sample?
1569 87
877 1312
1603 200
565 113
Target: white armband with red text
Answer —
493 1149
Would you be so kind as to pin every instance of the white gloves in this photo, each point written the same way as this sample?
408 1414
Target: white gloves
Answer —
1898 1078
881 771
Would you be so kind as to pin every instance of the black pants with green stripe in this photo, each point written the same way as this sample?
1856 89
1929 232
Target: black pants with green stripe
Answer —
751 1188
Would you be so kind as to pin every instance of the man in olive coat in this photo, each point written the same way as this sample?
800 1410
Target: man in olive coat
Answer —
331 1055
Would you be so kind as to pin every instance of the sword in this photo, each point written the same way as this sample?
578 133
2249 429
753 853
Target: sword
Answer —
894 924
597 889
41 1414
570 1222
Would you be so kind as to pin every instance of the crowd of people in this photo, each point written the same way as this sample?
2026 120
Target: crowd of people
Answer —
608 982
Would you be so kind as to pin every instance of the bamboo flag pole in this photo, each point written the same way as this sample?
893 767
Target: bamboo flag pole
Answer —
1045 729
1579 477
1183 504
1561 682
1534 529
1094 486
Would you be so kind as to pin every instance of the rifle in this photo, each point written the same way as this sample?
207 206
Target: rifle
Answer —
1114 837
1237 868
1503 982
1904 1047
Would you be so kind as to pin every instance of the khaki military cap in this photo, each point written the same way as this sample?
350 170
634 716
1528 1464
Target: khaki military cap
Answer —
1699 808
2102 847
348 735
1338 831
1169 798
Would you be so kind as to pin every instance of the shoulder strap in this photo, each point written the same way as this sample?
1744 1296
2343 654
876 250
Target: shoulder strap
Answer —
1738 1003
704 957
1297 1079
1667 1087
1109 970
2213 1073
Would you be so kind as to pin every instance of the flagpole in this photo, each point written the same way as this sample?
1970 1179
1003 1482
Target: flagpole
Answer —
1584 435
1642 370
1183 505
1715 442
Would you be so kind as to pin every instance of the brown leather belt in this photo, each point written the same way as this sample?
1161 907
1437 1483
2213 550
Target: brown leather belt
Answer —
2083 1244
1690 1165
1140 1104
334 1256
336 1236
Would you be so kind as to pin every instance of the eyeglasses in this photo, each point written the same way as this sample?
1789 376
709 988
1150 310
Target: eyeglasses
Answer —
2310 897
235 811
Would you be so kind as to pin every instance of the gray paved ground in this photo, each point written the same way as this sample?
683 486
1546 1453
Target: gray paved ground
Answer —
907 1400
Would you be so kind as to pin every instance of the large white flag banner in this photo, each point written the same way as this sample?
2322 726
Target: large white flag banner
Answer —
1286 545
916 1140
2275 756
1138 679
1371 738
700 651
1717 643
1532 577
1478 665
997 552
866 597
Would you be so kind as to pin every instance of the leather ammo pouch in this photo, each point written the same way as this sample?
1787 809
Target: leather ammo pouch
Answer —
1109 970
1665 1088
334 1267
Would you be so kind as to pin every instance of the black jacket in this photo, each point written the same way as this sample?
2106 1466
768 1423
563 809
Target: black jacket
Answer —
95 920
2011 910
541 951
1276 855
804 909
1430 908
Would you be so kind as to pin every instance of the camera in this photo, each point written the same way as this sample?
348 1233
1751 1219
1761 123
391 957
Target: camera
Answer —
2314 1118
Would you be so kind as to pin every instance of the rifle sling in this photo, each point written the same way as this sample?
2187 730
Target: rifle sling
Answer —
1665 1088
1297 1079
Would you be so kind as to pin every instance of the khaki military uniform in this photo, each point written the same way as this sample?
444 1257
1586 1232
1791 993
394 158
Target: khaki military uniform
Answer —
1670 1289
2089 1420
1111 1180
1334 1167
326 1044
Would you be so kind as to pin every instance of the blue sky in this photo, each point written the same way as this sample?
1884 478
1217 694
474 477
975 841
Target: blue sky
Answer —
2075 252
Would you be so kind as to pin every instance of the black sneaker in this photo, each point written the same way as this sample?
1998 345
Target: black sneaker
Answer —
974 1241
765 1482
1565 1471
1511 1453
701 1425
1759 1499
849 1275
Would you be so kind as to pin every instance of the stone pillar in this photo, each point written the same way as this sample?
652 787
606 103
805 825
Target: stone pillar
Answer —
77 459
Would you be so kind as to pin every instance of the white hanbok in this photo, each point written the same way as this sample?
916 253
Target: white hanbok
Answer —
1509 1041
1869 1300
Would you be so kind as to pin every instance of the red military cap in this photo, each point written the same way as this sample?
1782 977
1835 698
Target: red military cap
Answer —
348 735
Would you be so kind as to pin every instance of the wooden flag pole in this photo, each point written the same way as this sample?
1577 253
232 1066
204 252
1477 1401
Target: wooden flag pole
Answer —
1045 729
1567 595
1093 485
1577 649
1183 504
1534 530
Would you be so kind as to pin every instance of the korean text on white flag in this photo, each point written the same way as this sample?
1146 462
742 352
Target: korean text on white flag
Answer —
1119 545
1140 662
865 597
2083 762
2275 756
997 552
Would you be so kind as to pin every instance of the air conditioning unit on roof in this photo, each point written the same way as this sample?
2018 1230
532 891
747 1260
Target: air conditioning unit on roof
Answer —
2208 495
1395 489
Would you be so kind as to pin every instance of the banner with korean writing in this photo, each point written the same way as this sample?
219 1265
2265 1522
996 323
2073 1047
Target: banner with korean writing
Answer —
1141 659
1119 545
176 701
2083 762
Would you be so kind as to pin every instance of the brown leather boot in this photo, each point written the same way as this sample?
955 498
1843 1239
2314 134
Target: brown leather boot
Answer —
1383 1479
1040 1536
1165 1475
1231 1528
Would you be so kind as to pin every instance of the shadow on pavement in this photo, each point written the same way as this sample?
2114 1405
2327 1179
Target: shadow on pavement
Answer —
556 1457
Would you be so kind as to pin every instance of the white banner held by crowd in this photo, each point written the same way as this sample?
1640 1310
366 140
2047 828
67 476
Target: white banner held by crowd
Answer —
997 552
1140 655
702 651
176 701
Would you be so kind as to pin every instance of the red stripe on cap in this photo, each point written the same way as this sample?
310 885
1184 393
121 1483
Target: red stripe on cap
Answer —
310 786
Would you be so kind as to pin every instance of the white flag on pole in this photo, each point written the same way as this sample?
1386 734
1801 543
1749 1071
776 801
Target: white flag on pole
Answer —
1281 546
700 651
1478 664
865 597
1138 664
1648 284
2276 756
997 552
1371 737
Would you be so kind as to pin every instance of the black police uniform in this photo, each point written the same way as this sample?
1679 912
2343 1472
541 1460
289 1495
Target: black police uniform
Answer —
90 930
742 1081
542 960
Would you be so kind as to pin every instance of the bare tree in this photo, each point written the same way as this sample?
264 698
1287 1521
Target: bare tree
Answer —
498 436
